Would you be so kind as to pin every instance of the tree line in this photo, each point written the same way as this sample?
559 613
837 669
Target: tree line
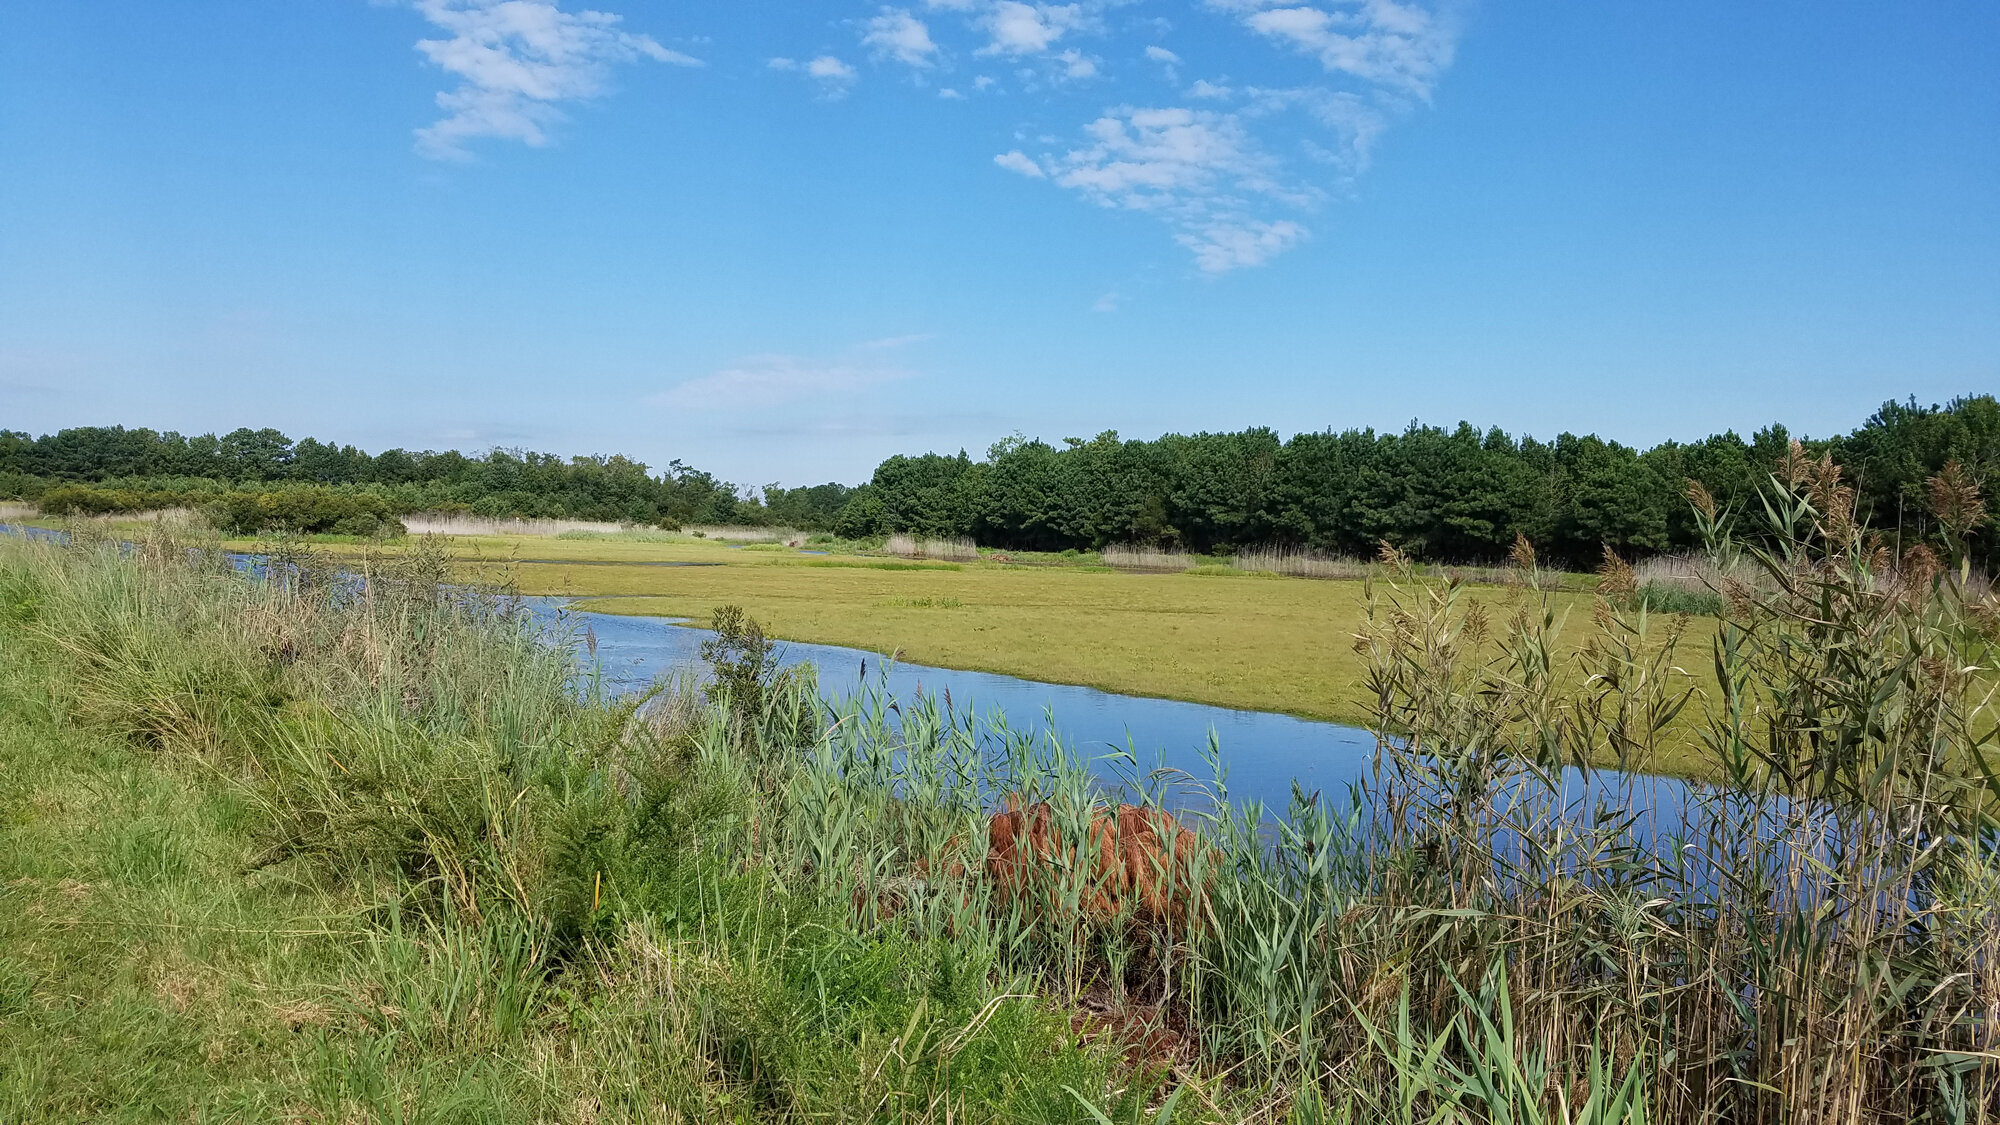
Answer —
1457 495
1454 495
262 478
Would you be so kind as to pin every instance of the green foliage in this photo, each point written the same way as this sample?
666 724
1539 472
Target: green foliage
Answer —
1666 597
139 469
1451 495
741 659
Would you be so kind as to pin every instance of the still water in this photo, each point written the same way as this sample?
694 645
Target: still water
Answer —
1262 754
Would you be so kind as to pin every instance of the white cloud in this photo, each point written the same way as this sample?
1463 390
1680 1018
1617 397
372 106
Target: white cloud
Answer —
833 75
1229 245
887 343
1018 161
1107 303
950 95
1233 169
1028 29
515 61
897 34
1198 170
1164 159
772 380
783 64
1399 46
1076 64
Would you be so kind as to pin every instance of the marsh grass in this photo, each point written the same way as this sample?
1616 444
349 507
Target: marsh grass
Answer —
749 902
301 848
627 535
457 523
1132 556
784 536
946 550
1299 563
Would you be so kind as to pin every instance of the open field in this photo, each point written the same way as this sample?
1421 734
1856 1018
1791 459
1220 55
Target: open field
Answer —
1212 636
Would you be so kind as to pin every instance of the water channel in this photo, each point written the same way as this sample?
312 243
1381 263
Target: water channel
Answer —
1262 753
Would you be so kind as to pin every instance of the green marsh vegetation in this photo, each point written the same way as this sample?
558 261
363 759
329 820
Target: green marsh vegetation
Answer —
1222 636
274 850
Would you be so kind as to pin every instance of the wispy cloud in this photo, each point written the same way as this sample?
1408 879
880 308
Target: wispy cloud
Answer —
889 343
516 61
1234 167
1026 29
1227 196
773 380
832 76
1021 163
1398 46
898 35
1198 169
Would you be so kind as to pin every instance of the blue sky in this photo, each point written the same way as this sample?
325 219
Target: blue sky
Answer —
783 241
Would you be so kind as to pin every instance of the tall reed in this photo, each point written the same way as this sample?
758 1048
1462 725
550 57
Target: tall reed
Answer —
1300 563
950 550
789 536
456 523
1136 556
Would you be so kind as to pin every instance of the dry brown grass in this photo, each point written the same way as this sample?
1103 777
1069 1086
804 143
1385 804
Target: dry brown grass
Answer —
733 533
1133 556
1300 563
948 550
453 523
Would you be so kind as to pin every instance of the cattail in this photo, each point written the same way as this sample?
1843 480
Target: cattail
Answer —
1615 576
1986 615
1737 595
1600 615
1701 498
1523 554
1477 626
1920 566
1833 500
1793 469
1955 500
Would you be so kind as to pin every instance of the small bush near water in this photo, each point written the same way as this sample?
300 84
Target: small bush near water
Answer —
297 508
285 851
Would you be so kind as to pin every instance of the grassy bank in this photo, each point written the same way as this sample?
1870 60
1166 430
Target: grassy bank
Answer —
275 851
265 856
1215 636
